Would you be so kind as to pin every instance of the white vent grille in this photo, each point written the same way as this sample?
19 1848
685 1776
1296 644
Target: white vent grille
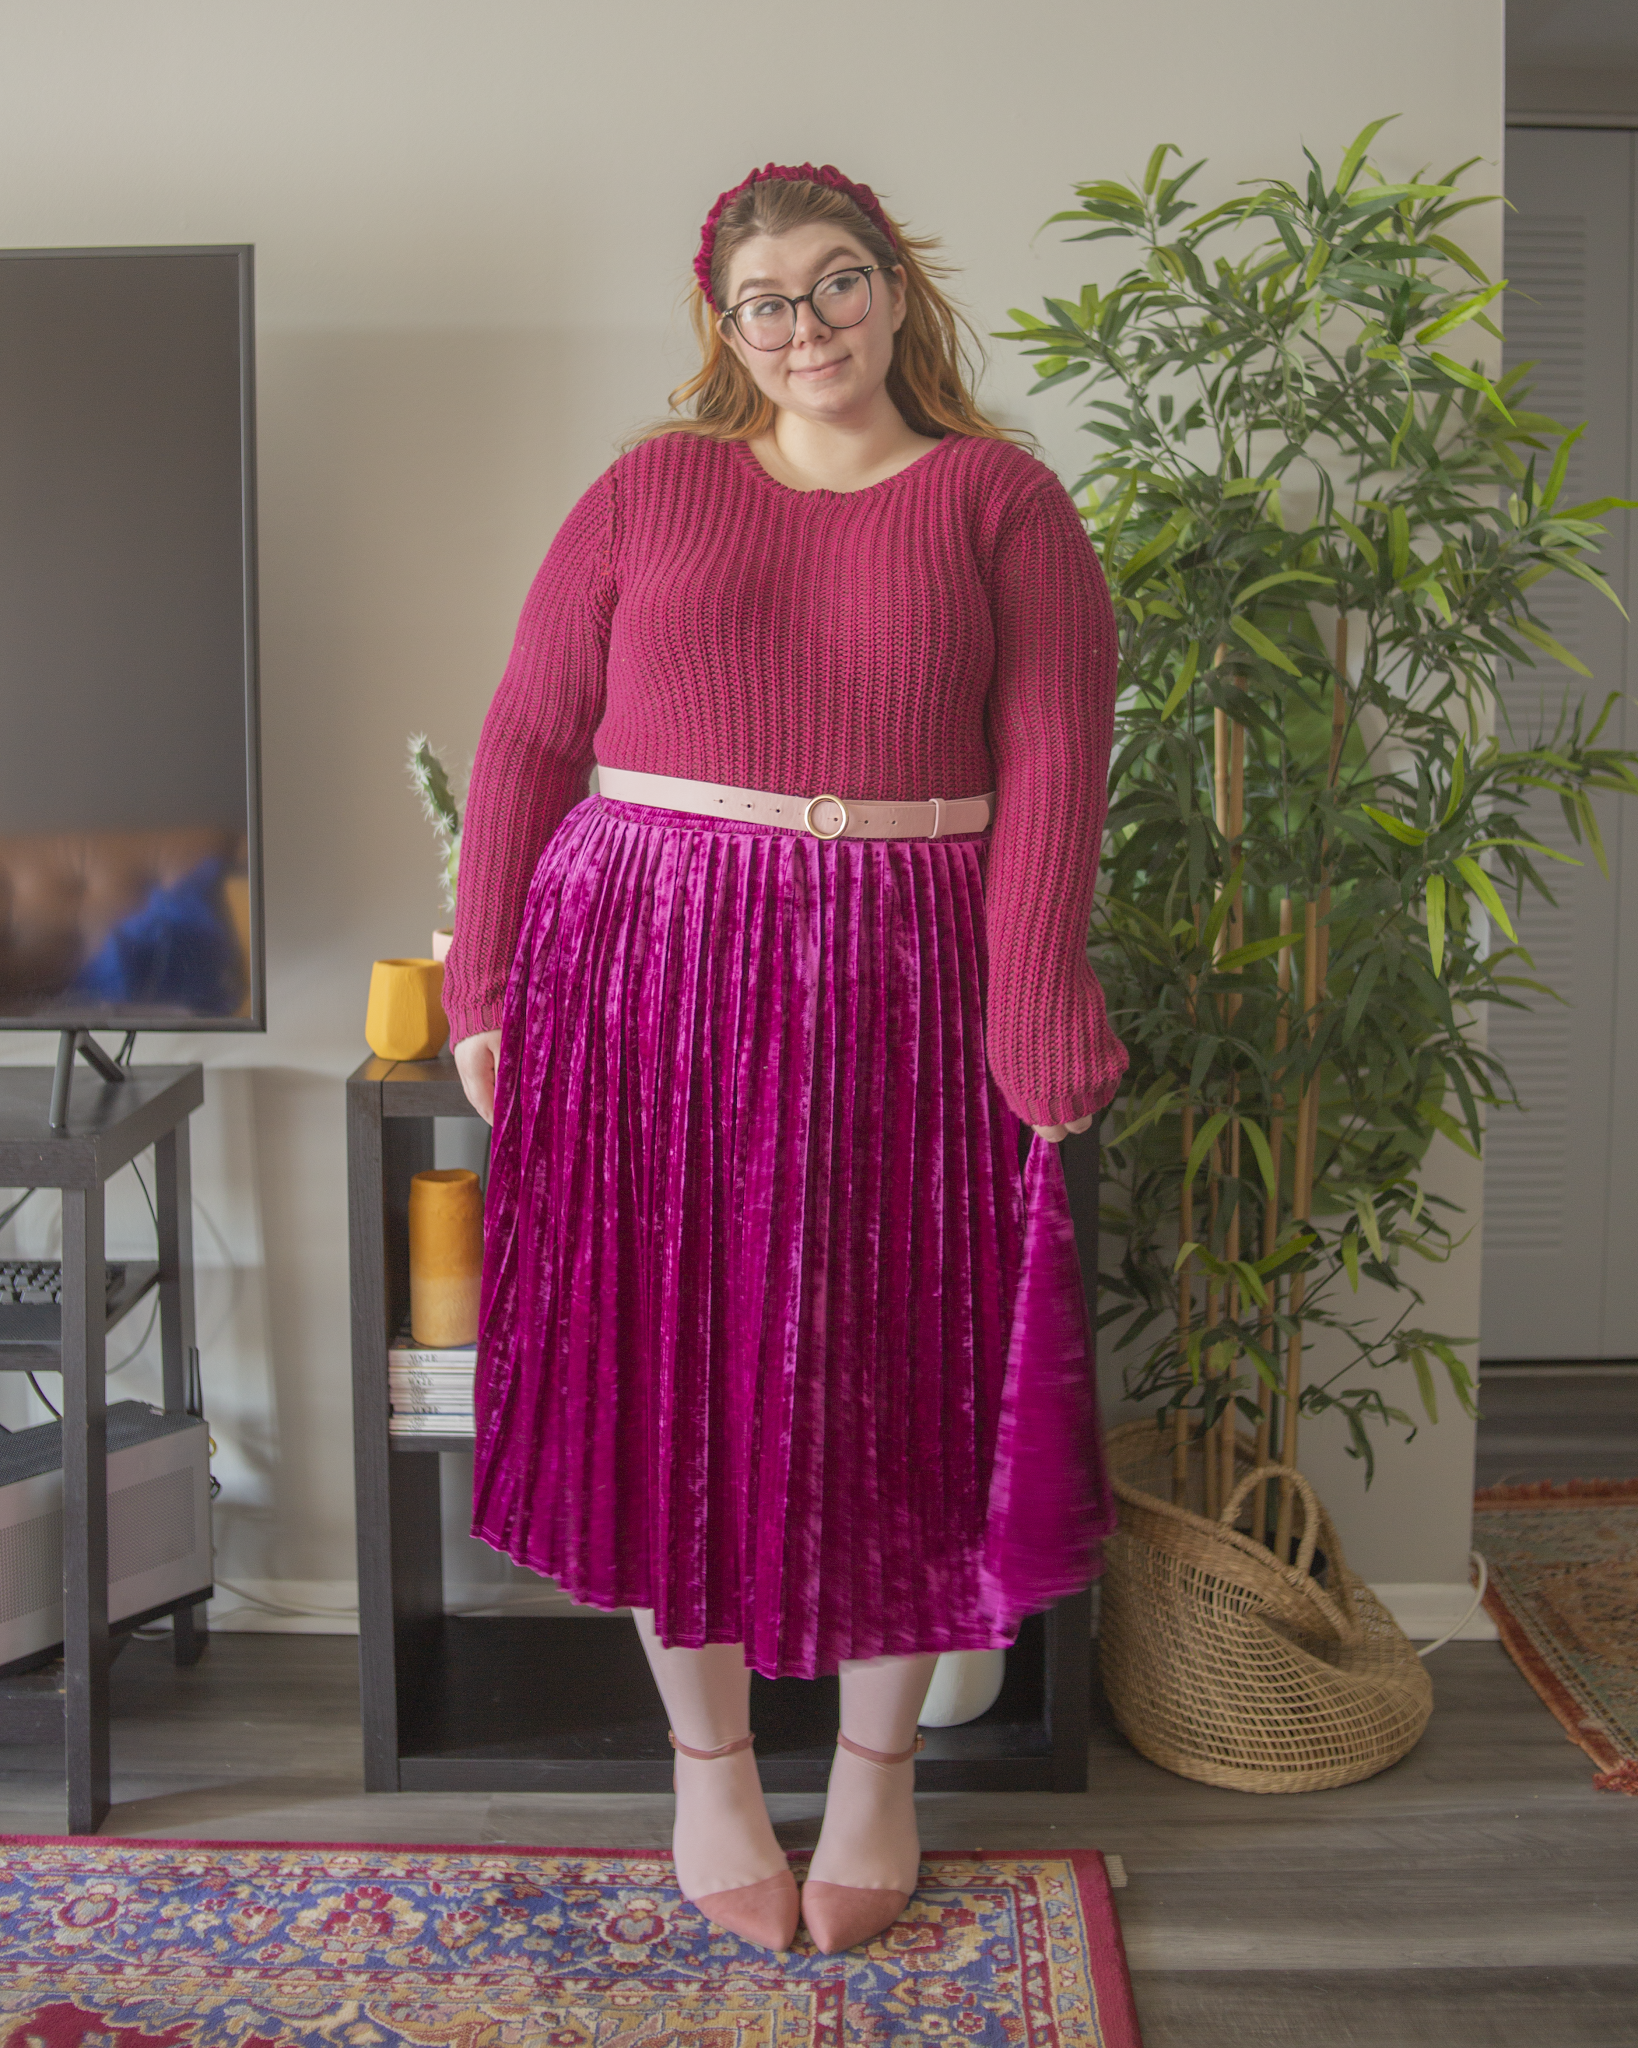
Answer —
152 1523
31 1566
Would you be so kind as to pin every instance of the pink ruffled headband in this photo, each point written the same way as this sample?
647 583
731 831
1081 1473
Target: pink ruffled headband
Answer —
822 174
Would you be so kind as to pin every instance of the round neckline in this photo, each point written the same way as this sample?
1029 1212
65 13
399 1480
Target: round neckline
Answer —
750 457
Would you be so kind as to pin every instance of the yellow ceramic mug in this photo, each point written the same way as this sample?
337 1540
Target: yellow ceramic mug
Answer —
446 1257
405 1019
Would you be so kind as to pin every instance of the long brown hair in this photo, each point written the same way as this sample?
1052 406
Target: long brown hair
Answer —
935 351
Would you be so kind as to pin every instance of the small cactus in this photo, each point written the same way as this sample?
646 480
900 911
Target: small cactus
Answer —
431 784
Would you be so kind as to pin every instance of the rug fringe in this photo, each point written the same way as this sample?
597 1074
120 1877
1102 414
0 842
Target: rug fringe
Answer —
1549 1490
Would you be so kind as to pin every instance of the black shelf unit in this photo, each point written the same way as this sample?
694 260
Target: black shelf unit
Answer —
564 1703
108 1125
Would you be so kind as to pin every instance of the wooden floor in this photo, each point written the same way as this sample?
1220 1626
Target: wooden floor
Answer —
1479 1895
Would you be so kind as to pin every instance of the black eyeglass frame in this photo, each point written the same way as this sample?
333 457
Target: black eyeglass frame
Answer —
865 270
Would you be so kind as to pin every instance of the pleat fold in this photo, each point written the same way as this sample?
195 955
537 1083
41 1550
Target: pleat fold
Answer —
755 1235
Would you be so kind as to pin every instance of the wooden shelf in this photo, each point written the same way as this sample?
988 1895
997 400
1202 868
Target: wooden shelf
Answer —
565 1703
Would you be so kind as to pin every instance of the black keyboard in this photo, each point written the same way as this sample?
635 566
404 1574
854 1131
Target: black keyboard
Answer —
31 1296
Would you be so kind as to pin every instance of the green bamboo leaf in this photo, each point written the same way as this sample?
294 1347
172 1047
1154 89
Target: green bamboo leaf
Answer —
1259 643
1424 1382
1458 779
1151 176
1257 949
1442 1120
1398 542
1185 677
1160 1099
1474 380
1221 908
1350 1258
1365 1210
1548 645
1436 921
1362 541
1283 576
1408 835
1485 889
1204 1139
1459 314
1561 462
1265 1158
1355 154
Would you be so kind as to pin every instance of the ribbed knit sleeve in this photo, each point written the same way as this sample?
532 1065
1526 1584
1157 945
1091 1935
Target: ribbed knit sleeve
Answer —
1050 718
534 756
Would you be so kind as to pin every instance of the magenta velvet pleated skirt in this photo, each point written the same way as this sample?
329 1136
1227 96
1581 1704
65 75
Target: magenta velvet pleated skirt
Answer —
777 1338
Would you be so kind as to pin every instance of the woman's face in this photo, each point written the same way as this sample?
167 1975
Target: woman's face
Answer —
830 375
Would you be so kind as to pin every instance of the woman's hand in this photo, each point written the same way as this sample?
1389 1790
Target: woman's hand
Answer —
475 1063
1054 1134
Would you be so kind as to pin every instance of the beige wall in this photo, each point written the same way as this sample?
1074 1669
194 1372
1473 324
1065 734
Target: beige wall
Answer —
474 225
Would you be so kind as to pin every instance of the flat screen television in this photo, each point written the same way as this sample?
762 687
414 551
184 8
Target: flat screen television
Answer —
130 840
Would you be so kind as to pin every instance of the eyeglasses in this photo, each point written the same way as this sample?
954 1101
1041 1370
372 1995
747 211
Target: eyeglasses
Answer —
841 298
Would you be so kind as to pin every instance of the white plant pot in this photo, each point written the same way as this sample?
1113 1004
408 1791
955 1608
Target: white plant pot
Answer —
441 943
966 1683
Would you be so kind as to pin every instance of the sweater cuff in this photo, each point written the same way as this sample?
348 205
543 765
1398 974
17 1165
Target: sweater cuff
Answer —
468 1021
1088 1098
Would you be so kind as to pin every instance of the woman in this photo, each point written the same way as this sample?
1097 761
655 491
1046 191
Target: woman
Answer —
756 1235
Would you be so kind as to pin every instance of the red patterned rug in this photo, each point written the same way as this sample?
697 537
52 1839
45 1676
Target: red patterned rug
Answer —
127 1944
1563 1594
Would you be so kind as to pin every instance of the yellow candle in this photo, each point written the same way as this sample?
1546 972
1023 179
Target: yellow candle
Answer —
446 1257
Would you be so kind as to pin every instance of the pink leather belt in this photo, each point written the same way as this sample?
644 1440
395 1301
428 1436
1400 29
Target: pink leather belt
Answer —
824 816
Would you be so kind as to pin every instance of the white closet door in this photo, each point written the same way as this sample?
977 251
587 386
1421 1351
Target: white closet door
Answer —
1560 1188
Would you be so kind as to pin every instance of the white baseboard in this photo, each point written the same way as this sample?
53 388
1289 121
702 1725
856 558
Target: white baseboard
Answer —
1425 1610
329 1607
293 1607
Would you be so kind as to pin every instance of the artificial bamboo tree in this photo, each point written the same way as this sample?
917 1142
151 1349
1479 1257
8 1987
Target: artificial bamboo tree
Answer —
1321 529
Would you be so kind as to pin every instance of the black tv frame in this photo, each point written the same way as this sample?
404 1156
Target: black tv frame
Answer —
73 1034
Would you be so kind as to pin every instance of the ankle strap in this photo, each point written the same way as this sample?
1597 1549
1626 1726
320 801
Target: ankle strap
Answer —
881 1756
705 1755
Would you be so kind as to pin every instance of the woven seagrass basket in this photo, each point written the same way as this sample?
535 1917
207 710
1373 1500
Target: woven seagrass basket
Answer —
1225 1665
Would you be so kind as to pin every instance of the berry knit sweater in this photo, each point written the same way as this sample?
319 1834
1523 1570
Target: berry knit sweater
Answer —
942 633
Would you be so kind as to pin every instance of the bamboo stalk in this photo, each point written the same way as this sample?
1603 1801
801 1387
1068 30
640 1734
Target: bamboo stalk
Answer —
1302 1208
1185 1320
1231 1311
1316 961
1271 1231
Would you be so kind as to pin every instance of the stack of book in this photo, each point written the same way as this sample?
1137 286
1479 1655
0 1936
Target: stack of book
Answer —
430 1391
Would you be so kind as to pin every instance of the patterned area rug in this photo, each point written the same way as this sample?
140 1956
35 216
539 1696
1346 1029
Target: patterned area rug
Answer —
1564 1595
122 1944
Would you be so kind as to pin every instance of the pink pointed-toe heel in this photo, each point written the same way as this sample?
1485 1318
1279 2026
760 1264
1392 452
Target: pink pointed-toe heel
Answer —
842 1916
766 1912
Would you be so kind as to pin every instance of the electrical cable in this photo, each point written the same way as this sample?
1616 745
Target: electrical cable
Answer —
35 1384
294 1613
1478 1597
12 1211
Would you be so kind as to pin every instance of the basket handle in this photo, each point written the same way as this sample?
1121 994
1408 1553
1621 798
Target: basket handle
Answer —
1310 1507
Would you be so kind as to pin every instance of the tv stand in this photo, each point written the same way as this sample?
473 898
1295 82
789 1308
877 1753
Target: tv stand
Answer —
69 1042
108 1128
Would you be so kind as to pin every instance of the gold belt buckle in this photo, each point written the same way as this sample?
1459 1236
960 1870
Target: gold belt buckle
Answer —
824 797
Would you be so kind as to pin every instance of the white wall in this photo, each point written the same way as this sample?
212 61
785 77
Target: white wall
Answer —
474 225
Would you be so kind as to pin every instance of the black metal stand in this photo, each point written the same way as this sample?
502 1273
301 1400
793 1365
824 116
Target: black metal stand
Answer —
129 1110
68 1043
565 1703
